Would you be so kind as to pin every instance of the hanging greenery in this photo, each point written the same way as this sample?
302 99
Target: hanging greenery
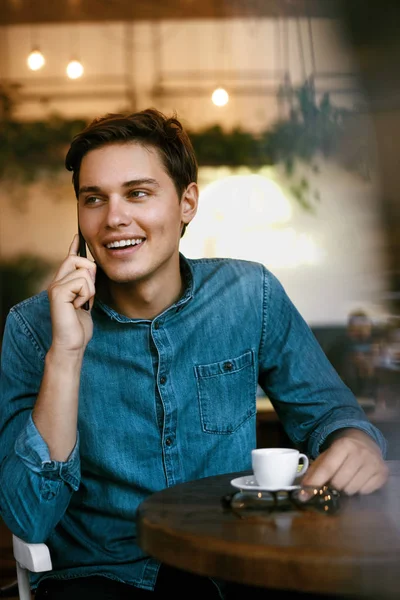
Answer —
312 128
29 148
20 277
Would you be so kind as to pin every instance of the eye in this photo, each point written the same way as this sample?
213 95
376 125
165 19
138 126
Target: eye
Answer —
92 200
137 194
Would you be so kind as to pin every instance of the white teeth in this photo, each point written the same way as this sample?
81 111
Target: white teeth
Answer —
122 243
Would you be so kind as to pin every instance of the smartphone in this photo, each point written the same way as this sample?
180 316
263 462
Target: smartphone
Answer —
82 244
82 252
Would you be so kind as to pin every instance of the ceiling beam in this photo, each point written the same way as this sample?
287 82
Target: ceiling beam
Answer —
18 12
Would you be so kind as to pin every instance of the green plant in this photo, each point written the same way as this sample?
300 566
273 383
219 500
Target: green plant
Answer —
313 128
20 278
29 148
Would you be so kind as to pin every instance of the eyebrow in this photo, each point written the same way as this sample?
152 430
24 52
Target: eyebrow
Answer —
127 184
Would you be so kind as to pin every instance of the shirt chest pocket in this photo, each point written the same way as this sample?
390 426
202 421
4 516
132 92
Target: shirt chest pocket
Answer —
227 393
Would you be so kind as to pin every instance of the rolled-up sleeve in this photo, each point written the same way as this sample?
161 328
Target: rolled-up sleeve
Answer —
34 453
307 393
34 489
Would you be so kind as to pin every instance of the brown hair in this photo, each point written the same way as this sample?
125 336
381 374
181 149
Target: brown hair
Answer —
148 127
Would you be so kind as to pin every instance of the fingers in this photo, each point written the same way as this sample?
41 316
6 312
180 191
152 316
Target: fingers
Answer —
74 247
74 267
375 482
74 282
366 480
82 287
75 288
356 482
324 468
73 262
349 466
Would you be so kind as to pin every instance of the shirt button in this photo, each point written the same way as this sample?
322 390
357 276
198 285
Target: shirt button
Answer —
49 465
163 380
228 366
48 495
168 441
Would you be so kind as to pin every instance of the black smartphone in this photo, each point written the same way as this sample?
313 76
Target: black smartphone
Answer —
82 244
82 252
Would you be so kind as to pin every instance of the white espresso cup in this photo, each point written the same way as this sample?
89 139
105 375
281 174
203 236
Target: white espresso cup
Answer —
277 468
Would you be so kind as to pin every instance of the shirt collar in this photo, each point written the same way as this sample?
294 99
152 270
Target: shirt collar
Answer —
188 282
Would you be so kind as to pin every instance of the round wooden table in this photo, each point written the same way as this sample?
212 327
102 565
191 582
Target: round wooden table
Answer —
353 552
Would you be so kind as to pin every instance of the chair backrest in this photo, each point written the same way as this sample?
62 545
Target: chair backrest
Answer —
29 557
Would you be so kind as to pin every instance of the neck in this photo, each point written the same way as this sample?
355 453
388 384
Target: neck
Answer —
142 299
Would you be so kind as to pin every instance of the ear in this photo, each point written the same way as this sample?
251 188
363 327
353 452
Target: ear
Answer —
189 203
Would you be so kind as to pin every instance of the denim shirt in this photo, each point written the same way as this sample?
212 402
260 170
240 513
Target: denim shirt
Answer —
161 402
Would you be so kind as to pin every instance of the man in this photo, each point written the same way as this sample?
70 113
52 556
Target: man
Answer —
156 383
354 355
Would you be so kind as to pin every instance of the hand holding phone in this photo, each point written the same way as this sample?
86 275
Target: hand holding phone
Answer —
73 286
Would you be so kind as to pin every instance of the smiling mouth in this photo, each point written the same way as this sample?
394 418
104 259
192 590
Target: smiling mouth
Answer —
124 243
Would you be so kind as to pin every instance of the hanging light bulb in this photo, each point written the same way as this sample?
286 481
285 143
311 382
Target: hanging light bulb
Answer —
35 60
74 69
220 97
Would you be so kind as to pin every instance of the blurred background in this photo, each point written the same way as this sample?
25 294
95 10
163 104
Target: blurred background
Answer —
292 107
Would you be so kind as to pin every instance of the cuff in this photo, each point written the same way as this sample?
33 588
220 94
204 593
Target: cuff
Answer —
34 452
318 439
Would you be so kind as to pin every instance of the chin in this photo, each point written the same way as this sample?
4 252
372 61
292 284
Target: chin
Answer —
124 278
119 273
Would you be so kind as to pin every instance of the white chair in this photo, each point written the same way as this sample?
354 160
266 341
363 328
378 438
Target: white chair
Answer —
29 557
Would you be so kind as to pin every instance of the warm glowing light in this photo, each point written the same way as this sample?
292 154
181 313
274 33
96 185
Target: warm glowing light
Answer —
242 201
74 69
35 60
248 217
220 97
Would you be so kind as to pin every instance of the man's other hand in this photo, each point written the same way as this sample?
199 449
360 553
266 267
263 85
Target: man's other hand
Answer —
352 463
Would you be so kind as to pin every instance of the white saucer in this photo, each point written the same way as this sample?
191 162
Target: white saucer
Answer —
249 482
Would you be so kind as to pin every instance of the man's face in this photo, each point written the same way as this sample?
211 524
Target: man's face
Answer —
360 330
129 212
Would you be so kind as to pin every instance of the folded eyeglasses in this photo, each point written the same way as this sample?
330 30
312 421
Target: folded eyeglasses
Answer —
324 500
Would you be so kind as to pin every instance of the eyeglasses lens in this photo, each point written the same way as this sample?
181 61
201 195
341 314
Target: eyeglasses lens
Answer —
324 500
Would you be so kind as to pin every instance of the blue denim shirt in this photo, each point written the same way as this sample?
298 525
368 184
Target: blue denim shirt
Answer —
161 402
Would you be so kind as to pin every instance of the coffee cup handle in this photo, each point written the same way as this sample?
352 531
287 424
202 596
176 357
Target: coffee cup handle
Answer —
303 466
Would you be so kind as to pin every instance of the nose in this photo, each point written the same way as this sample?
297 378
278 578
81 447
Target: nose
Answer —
117 214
